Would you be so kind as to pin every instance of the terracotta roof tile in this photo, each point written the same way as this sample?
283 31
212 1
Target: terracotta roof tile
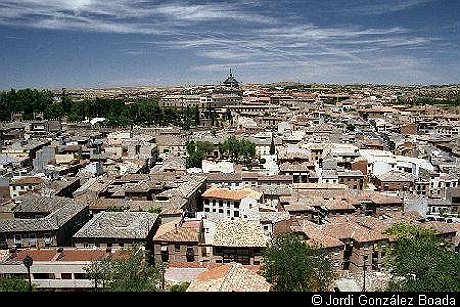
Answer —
239 233
173 232
233 277
37 255
222 193
82 255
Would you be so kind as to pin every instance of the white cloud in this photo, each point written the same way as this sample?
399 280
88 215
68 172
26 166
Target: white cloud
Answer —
236 35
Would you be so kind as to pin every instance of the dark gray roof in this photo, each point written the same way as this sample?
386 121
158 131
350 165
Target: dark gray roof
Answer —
63 210
35 203
126 225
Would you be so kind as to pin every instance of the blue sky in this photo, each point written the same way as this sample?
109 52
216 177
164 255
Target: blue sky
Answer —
98 43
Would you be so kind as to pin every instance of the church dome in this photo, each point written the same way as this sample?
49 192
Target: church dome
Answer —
231 81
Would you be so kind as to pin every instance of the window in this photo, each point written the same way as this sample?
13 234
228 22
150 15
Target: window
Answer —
221 203
66 275
190 254
164 253
17 240
236 204
32 240
228 213
337 251
177 248
236 214
206 209
221 210
48 239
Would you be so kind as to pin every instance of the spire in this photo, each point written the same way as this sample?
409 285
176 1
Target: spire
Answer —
231 72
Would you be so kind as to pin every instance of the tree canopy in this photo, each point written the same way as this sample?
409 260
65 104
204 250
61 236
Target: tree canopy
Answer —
292 265
238 149
196 151
421 262
13 284
118 112
130 272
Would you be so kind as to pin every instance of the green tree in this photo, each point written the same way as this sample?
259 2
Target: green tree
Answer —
13 284
54 111
235 149
420 261
132 273
129 272
292 265
196 151
100 271
182 287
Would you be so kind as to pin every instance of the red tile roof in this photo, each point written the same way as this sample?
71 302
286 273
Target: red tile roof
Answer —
37 255
82 255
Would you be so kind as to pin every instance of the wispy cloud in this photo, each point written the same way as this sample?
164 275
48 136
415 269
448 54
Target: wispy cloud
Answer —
365 7
241 33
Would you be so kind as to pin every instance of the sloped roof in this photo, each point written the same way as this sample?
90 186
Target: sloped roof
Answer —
173 232
126 225
63 209
239 233
232 277
223 193
397 176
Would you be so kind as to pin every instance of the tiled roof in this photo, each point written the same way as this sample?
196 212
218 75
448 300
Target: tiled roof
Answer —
223 193
316 236
32 202
81 255
127 225
66 255
337 204
173 232
396 176
186 273
233 177
295 167
273 217
37 255
239 233
233 277
440 227
59 216
28 180
276 190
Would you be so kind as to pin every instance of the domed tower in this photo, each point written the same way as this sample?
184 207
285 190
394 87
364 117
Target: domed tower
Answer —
231 81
